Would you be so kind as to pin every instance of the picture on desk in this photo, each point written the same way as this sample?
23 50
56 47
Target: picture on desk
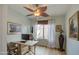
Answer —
13 28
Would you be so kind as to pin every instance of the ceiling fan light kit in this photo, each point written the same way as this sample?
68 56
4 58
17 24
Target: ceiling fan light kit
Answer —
39 11
37 14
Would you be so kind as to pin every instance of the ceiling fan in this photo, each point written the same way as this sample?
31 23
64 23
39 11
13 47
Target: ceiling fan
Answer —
38 11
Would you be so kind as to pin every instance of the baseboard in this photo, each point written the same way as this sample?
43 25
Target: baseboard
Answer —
51 48
3 53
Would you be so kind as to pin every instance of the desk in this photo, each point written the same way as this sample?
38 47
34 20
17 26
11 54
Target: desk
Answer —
29 43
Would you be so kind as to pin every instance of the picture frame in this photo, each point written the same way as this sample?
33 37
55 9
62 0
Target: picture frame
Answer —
13 28
74 26
58 28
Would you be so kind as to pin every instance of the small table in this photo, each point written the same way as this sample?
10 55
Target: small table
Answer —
29 43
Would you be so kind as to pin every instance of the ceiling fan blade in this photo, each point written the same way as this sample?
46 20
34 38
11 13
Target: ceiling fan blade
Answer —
43 8
29 9
44 14
30 15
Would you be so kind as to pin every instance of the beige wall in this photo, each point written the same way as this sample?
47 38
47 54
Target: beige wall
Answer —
1 28
60 20
15 17
9 15
72 44
3 41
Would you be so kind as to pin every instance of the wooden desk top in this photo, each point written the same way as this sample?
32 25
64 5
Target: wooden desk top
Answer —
31 43
28 43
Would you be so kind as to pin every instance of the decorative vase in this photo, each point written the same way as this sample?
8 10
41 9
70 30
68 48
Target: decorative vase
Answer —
61 41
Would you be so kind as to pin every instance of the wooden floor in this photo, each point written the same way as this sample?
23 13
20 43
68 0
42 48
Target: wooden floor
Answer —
46 51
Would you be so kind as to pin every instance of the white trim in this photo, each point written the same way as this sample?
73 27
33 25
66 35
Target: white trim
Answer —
3 53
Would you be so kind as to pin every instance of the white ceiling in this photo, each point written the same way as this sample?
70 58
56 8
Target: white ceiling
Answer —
52 9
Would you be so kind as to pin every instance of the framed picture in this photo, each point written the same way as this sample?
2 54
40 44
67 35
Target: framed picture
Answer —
58 28
74 26
13 28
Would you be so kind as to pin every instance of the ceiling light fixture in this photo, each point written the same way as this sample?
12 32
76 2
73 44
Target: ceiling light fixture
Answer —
37 13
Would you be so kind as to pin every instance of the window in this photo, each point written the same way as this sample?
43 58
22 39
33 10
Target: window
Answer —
42 31
45 31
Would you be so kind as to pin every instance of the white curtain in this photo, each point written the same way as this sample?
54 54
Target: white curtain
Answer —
51 35
34 32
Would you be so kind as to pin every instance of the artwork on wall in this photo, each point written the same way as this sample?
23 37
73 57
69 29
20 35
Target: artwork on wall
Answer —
13 28
58 28
73 26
